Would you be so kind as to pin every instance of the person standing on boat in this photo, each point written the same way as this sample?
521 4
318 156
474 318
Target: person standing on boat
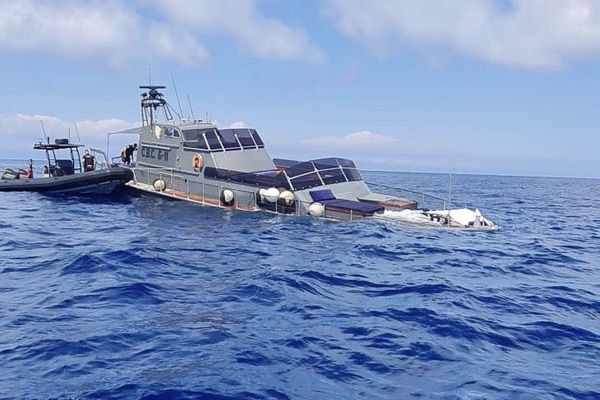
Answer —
127 154
89 161
30 171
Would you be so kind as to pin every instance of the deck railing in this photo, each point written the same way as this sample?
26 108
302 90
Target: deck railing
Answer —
424 200
243 199
246 199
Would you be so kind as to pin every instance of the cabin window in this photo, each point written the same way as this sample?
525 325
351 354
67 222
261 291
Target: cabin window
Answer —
306 181
213 141
299 169
331 176
352 174
245 138
229 139
346 163
194 138
326 163
257 138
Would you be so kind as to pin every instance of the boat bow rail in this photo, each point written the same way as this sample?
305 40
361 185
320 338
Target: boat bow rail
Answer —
425 200
436 210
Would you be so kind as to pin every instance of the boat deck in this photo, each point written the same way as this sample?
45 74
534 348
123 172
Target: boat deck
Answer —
181 195
390 202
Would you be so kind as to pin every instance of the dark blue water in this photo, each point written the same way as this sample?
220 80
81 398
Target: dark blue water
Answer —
147 298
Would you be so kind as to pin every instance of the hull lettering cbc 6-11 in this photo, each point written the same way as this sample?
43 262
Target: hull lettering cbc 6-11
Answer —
155 153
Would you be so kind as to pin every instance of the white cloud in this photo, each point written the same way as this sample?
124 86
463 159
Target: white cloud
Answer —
19 132
101 30
522 33
360 140
238 124
254 33
118 32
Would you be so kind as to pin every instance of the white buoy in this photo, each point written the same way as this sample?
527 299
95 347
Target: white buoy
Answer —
227 196
287 197
271 195
316 210
159 185
261 195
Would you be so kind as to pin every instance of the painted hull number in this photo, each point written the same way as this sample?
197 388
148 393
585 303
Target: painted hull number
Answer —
155 154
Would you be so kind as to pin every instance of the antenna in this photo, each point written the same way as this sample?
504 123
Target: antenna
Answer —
44 131
190 104
449 191
69 135
177 95
77 130
149 76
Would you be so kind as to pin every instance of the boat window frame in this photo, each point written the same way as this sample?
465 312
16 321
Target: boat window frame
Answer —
240 139
347 170
234 136
210 141
201 138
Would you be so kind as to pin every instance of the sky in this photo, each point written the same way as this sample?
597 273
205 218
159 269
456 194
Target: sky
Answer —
470 86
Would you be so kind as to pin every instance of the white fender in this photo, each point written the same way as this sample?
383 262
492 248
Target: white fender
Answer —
271 195
227 196
316 210
159 185
287 197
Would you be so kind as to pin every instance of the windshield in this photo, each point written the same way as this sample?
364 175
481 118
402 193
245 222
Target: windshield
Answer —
194 138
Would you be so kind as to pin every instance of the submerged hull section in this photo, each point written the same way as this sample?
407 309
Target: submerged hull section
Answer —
96 182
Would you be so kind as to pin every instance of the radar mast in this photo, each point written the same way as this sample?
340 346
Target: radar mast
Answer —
153 103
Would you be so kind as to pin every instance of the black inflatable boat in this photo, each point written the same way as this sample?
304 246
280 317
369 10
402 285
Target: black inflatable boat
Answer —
69 174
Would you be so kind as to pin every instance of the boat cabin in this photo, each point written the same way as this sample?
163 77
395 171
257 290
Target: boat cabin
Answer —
195 146
63 158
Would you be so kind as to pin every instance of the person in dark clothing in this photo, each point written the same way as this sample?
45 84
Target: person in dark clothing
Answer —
127 153
89 161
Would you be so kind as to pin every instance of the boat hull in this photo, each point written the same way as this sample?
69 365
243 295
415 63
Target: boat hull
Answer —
96 182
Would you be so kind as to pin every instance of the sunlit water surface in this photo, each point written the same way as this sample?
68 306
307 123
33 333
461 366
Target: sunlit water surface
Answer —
140 297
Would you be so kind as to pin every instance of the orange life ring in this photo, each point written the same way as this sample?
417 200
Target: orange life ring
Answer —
197 162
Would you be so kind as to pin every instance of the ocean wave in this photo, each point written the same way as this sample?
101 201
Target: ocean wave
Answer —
142 298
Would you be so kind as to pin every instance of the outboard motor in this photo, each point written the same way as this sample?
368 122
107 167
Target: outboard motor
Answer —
9 174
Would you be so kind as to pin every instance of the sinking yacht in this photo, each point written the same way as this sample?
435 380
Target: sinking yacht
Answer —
230 168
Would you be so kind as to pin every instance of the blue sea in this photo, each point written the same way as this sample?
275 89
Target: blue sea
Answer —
140 297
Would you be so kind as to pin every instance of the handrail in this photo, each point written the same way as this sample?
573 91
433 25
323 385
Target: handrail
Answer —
407 190
421 195
446 203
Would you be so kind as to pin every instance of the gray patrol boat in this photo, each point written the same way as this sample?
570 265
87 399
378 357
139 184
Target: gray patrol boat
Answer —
230 168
